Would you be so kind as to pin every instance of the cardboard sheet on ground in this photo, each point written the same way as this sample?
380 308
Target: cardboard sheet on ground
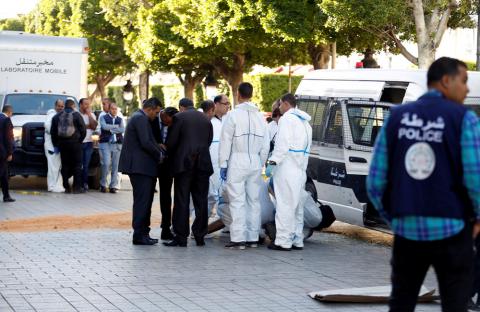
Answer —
378 294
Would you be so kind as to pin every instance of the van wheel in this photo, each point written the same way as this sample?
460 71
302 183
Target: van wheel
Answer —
310 187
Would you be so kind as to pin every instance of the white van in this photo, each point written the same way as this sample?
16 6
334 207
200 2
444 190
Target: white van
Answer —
35 71
348 108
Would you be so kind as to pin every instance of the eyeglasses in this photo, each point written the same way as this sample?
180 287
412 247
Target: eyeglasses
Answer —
225 103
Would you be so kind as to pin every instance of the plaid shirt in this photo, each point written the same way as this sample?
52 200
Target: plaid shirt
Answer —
428 228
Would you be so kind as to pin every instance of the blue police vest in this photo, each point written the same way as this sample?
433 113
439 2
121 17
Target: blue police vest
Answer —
105 135
424 158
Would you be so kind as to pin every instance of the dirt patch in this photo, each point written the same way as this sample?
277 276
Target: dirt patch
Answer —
121 220
360 233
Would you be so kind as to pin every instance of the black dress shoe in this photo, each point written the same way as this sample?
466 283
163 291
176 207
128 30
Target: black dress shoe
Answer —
8 200
272 246
113 190
145 240
296 247
166 235
174 243
200 241
103 189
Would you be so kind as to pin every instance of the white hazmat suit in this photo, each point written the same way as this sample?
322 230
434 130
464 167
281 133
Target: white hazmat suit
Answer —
214 187
244 145
54 178
292 147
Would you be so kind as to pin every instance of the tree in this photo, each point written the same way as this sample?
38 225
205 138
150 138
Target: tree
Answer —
84 18
231 33
15 24
394 21
298 23
151 43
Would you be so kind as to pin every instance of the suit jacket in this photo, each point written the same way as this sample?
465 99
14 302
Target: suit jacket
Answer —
140 153
6 142
6 137
188 142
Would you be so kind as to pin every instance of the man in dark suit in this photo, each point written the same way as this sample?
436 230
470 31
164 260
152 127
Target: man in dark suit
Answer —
139 159
6 149
188 147
165 179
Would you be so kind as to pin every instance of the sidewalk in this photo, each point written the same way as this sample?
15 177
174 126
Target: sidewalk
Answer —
100 270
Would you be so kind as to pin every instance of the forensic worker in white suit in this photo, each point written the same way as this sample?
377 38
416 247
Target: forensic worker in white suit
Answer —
288 165
222 104
54 178
244 145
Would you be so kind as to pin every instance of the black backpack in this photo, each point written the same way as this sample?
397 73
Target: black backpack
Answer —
66 128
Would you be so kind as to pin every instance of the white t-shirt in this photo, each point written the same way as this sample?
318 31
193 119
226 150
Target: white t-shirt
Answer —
88 137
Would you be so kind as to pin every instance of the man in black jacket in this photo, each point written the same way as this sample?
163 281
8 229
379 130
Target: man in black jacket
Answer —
6 149
68 131
188 146
139 159
165 179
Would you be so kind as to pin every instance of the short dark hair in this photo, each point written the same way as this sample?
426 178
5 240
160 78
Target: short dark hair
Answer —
185 102
170 111
207 105
276 113
152 102
443 66
7 108
69 103
81 101
218 98
290 98
245 90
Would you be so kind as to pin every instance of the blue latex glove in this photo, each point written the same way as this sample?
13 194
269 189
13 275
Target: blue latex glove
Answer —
269 170
223 174
56 150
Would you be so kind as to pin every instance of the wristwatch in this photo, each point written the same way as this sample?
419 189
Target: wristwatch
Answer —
272 163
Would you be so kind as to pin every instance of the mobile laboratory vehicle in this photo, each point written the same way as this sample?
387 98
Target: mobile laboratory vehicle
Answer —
35 71
347 109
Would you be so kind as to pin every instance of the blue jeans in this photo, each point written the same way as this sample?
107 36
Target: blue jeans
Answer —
87 149
110 153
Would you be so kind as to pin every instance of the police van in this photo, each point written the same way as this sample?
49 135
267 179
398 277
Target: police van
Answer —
348 108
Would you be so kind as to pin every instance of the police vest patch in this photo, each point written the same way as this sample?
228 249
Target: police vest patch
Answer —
420 161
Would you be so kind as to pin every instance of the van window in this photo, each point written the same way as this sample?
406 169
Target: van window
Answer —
334 129
393 95
316 109
365 122
32 104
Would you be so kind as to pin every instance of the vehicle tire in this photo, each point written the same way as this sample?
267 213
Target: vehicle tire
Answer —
310 187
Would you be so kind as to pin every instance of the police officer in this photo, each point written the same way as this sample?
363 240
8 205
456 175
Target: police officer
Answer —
424 179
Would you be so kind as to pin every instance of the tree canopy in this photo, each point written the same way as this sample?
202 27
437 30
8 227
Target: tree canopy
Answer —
84 18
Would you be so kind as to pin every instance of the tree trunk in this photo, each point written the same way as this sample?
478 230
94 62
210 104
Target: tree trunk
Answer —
234 80
102 82
189 86
334 55
319 55
233 74
437 25
144 85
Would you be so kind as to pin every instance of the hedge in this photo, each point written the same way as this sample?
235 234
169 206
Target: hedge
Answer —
269 87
